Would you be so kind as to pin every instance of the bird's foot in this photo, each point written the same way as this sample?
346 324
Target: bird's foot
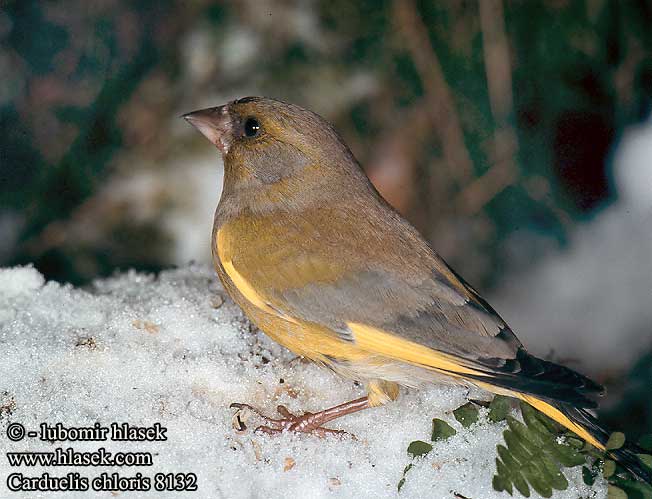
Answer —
308 422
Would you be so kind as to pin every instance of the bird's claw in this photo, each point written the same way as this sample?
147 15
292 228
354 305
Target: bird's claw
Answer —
306 423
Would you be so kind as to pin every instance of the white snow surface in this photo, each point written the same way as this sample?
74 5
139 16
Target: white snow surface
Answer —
143 349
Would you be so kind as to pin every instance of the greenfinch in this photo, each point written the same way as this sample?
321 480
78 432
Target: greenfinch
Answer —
315 257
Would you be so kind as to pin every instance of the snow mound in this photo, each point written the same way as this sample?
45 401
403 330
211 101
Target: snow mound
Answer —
18 280
174 349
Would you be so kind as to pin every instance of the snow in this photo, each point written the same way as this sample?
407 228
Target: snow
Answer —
174 349
19 280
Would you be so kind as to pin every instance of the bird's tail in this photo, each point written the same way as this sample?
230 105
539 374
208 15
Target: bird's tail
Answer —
560 393
586 426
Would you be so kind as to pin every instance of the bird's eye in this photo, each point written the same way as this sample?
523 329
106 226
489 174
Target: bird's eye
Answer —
251 127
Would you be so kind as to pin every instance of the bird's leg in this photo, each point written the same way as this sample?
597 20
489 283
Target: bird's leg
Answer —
308 422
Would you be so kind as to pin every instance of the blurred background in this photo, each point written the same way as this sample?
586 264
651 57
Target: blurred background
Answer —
515 135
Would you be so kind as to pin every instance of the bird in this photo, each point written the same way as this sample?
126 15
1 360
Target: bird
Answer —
322 264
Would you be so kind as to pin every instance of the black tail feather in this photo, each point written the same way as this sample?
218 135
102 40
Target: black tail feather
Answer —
541 378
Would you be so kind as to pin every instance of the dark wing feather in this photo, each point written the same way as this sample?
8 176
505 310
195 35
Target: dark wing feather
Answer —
546 380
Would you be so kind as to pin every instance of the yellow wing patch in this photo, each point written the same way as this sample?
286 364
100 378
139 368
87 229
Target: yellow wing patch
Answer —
243 286
248 291
387 344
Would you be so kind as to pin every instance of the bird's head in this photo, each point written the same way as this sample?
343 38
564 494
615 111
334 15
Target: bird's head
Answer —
265 140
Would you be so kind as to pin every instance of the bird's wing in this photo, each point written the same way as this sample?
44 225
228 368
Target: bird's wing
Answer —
431 310
373 271
403 301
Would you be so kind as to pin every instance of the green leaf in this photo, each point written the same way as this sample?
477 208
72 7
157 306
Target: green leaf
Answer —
522 431
501 468
499 408
529 413
441 430
419 448
533 456
646 459
536 479
501 483
541 434
542 431
568 456
575 442
520 451
520 484
615 493
609 468
514 476
508 459
616 440
646 442
467 414
587 476
401 482
557 479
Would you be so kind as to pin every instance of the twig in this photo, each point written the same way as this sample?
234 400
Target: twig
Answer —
503 171
439 97
501 174
496 59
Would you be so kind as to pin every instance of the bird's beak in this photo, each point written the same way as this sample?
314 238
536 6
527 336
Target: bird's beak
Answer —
215 124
